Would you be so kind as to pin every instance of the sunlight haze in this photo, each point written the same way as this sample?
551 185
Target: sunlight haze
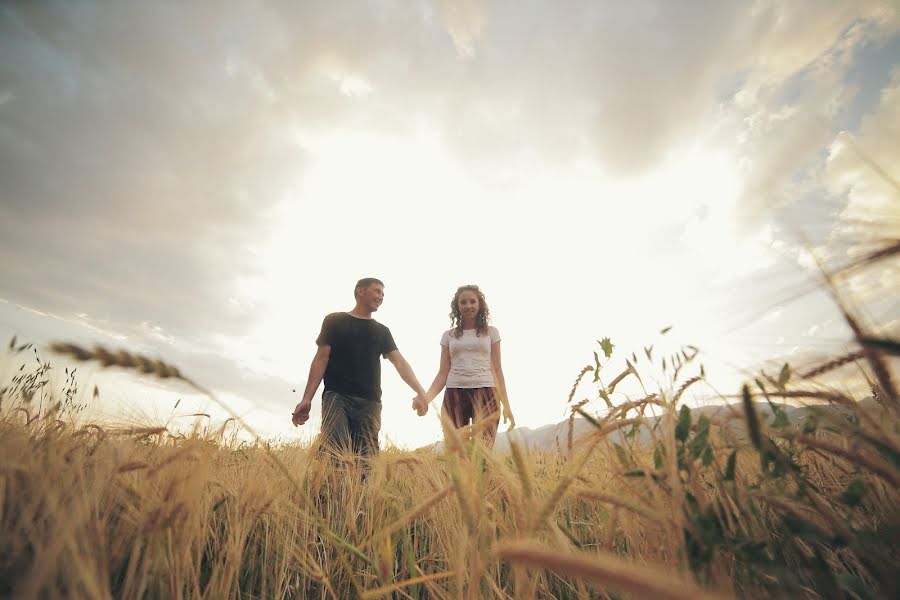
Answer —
203 183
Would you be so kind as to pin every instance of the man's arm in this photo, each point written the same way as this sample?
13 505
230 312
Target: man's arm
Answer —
406 373
316 373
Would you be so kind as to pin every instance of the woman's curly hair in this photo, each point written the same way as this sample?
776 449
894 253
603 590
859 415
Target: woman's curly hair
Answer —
481 319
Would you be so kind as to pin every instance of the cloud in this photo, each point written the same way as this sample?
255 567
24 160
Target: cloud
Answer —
627 84
137 165
465 20
202 361
783 113
863 172
865 168
149 152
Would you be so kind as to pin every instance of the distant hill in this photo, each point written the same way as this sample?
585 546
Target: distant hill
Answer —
549 437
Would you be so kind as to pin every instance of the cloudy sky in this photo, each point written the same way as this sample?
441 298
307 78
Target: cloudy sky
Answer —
203 182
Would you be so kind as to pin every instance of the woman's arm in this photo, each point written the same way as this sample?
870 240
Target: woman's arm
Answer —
500 384
440 380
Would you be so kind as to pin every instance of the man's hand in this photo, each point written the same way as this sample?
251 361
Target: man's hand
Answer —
509 418
420 405
301 413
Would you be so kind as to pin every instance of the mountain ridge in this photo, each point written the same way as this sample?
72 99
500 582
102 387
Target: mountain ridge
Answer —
555 435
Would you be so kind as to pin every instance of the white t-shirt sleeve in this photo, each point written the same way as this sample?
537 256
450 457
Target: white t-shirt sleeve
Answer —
445 339
495 335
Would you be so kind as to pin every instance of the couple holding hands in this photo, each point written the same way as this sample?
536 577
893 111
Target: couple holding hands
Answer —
351 345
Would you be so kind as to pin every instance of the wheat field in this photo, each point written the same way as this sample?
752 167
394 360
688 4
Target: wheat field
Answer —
744 503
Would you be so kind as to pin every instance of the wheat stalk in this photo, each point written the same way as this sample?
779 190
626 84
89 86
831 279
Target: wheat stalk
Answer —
684 387
158 368
876 466
608 570
521 468
126 360
620 502
587 369
833 364
612 384
397 587
415 513
627 406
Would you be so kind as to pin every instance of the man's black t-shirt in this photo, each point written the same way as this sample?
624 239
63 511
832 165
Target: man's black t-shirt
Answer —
357 345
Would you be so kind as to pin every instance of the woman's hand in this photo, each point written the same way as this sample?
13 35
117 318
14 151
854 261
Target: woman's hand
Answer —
508 418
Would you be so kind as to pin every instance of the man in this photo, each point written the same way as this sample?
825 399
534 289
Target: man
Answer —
350 347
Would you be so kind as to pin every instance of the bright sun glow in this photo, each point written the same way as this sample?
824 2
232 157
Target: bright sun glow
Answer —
563 259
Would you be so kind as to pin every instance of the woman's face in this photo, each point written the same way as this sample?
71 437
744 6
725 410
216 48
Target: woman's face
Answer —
468 304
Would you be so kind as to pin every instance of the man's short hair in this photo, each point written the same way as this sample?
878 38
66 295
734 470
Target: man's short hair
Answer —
365 282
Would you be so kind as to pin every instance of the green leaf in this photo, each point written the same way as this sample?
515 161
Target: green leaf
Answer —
785 375
684 423
854 493
730 466
802 528
659 455
607 346
854 586
760 384
703 426
623 455
781 418
410 562
810 424
707 457
588 418
701 438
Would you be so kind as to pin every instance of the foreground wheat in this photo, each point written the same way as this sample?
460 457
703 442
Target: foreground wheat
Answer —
145 512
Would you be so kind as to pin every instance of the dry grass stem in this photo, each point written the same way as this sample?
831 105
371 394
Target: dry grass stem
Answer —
608 570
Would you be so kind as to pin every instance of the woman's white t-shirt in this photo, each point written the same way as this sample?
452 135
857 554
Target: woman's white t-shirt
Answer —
470 358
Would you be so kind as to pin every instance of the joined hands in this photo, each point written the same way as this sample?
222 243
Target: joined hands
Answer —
420 405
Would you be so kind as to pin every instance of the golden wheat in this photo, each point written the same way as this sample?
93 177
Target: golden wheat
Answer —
125 360
608 570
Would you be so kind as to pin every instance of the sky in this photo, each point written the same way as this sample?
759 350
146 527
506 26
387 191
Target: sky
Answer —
204 183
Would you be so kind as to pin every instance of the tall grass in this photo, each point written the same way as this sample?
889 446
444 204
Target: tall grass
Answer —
656 501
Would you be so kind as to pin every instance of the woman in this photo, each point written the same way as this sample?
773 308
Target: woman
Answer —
470 368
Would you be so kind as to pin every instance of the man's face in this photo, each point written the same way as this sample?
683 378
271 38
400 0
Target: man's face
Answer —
372 296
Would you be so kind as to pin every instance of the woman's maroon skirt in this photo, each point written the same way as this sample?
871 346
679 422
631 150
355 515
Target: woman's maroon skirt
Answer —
467 406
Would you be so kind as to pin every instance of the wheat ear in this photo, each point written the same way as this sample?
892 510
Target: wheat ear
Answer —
126 360
578 379
833 364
